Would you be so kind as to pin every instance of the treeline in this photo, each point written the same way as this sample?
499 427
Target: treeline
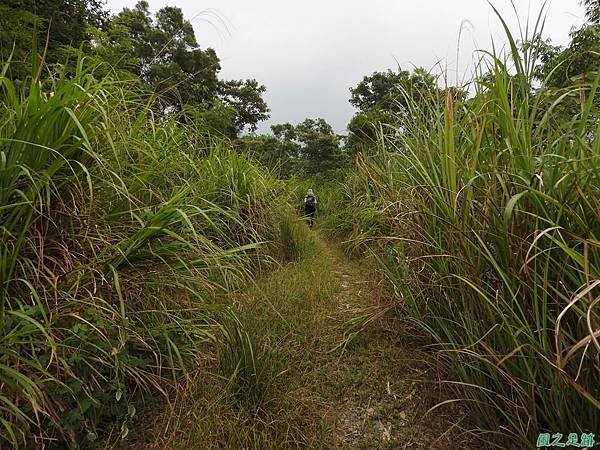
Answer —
385 106
160 53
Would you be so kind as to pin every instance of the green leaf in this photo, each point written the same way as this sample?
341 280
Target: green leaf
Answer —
510 206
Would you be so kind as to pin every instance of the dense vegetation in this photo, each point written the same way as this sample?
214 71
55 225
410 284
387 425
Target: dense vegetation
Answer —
123 219
484 214
134 211
117 230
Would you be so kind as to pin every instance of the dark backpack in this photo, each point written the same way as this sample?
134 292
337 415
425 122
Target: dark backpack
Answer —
310 201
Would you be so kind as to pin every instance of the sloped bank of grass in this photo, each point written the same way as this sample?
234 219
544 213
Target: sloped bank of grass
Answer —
484 216
257 391
116 231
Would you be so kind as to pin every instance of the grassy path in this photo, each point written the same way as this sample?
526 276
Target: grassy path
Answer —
334 369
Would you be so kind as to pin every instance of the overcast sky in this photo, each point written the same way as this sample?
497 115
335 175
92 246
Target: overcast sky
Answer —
309 53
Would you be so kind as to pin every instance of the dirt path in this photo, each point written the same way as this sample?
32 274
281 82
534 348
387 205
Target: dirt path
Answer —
337 369
377 380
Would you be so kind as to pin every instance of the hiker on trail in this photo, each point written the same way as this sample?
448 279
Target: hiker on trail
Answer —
310 206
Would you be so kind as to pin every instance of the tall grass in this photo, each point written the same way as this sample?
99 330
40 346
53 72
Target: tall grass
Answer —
117 228
293 239
490 213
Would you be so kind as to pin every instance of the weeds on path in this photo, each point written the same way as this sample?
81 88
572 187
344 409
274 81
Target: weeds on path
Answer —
306 366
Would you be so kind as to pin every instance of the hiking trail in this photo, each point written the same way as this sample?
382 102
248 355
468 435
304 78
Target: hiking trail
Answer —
342 371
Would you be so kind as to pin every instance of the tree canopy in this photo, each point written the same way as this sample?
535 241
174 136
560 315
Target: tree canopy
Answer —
384 100
579 60
60 23
245 96
390 91
592 10
161 50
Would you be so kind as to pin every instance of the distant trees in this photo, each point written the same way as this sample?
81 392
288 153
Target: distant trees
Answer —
307 148
391 91
164 53
319 146
367 126
385 100
245 96
561 68
579 60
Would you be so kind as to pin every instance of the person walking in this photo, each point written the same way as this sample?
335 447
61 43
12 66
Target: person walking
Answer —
310 207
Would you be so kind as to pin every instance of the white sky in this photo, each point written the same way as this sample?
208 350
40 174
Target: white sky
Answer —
309 53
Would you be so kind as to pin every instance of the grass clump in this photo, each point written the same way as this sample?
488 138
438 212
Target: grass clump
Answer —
248 366
484 214
294 238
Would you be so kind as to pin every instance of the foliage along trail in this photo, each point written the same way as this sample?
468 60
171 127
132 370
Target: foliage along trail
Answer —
131 200
334 369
